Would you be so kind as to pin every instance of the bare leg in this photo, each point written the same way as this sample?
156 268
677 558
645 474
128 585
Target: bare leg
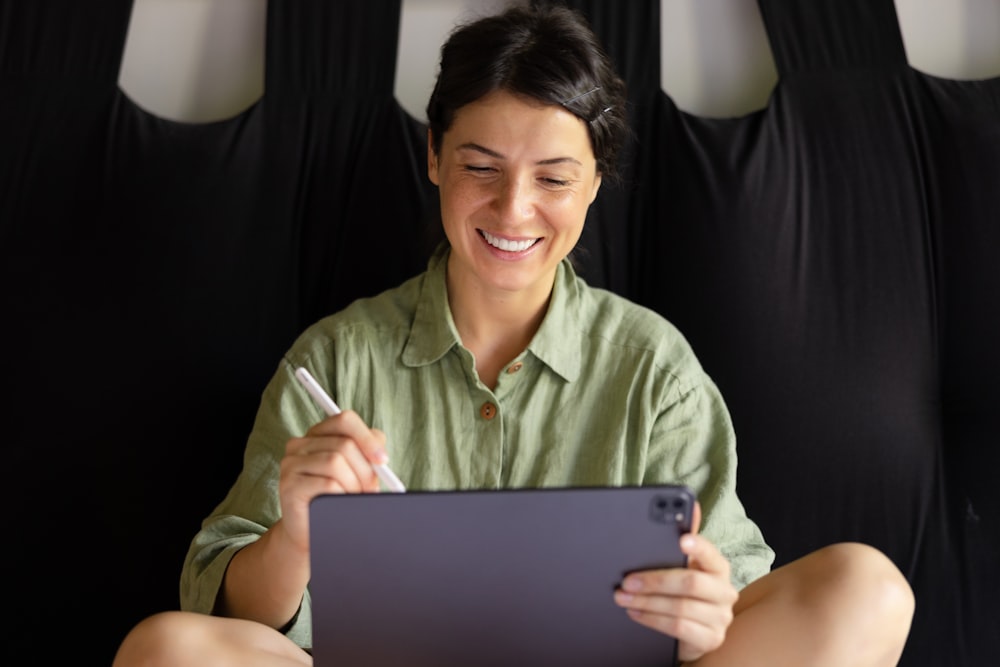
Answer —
184 638
846 604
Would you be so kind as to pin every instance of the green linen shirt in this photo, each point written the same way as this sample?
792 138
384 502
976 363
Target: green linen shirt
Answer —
608 393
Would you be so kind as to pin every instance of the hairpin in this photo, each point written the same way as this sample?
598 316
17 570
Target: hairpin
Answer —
576 97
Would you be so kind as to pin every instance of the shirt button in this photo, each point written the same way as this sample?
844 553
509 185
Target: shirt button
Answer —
514 367
488 410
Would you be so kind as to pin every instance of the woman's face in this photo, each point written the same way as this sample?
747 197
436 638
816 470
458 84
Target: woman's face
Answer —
516 178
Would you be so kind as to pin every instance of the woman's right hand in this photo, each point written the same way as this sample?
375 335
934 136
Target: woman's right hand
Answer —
265 580
334 456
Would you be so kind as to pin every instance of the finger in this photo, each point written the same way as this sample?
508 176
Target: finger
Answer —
348 424
345 466
690 621
693 606
696 517
329 459
679 583
705 556
705 611
381 455
303 487
698 626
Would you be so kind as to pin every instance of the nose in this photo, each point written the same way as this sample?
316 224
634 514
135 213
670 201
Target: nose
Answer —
515 199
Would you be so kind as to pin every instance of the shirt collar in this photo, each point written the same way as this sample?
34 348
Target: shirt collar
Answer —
433 331
556 344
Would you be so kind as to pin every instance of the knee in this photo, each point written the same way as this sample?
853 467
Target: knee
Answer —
157 639
866 573
865 592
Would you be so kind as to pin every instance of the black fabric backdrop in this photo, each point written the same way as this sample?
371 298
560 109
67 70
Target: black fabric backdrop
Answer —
832 259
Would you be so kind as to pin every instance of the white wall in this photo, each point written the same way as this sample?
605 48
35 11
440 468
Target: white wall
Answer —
203 60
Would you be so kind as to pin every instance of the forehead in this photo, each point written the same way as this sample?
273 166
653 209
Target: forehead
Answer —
514 125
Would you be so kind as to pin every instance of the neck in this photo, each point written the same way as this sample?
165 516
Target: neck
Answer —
495 325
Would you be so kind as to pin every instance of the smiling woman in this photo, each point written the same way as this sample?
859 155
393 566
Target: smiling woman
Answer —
831 258
526 120
521 135
516 179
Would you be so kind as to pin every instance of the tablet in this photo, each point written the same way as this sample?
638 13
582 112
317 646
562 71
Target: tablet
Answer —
489 578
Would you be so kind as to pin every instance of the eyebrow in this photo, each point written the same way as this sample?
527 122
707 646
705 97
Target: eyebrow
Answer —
492 153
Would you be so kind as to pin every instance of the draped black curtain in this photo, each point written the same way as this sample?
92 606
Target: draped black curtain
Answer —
831 259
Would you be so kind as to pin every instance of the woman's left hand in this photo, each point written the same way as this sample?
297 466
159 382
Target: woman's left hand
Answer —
692 604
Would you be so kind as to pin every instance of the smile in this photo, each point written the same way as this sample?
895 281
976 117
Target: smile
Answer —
507 245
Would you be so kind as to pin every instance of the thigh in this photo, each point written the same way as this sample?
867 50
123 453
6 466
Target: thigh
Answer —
187 638
845 604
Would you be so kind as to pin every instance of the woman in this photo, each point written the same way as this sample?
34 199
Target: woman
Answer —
498 367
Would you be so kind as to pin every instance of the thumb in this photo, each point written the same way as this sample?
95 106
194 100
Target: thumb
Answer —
696 517
375 448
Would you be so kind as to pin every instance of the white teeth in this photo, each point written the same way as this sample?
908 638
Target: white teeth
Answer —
509 246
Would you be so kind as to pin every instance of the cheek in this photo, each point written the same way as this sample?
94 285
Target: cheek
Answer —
569 211
462 198
456 209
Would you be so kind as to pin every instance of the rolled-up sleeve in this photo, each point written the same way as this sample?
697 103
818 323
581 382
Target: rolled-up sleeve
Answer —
252 504
693 443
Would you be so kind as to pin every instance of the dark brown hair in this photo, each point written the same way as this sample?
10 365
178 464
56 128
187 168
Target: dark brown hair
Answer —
547 53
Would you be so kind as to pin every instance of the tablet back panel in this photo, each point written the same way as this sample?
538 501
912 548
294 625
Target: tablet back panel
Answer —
484 578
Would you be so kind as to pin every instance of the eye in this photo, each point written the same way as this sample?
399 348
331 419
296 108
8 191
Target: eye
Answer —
555 182
478 169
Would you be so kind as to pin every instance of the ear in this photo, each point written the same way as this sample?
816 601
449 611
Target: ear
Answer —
432 159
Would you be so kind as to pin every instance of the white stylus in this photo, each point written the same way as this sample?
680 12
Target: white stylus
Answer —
306 379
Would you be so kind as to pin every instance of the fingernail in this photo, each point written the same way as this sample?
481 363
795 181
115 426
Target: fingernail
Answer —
631 585
687 542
